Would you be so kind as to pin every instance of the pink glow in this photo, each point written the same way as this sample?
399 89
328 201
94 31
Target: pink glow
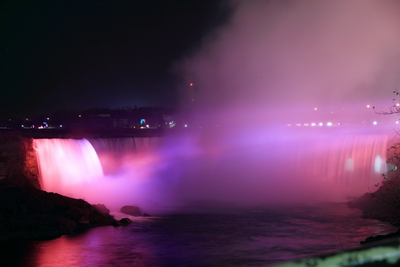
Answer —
70 163
275 61
73 168
317 66
178 172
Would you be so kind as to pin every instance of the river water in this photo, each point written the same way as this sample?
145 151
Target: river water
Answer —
208 237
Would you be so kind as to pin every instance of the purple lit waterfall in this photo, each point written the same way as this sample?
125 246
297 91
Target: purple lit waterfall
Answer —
169 173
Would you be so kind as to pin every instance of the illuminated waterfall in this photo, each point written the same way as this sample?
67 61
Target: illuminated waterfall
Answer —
163 171
354 162
66 163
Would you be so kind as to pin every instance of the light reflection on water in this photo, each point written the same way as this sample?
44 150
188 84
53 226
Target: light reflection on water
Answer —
256 237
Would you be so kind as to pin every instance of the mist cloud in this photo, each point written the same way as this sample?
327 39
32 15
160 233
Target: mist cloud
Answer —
279 63
291 55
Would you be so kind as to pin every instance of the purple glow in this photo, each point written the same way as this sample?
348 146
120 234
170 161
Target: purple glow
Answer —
117 173
161 175
274 64
275 61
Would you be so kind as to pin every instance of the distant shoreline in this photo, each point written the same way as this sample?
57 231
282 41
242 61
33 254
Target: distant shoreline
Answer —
85 133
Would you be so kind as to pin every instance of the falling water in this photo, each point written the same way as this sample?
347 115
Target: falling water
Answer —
66 163
169 173
110 171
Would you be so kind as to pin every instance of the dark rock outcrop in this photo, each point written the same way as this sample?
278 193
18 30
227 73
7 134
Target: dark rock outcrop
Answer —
380 237
131 210
102 209
30 213
124 222
18 165
26 212
373 209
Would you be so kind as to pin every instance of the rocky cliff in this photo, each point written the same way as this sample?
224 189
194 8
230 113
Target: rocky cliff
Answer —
26 212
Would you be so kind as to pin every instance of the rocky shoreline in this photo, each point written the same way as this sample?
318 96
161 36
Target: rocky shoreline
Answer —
371 209
26 212
30 213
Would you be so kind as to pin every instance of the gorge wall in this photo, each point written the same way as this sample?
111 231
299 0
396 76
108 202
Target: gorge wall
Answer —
18 164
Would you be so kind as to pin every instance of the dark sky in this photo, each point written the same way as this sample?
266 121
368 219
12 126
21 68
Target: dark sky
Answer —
97 53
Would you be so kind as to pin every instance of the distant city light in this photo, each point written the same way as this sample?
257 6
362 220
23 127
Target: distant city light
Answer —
315 108
368 106
313 124
190 84
321 124
329 124
375 123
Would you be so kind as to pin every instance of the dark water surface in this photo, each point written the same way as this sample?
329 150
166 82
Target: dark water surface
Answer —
252 237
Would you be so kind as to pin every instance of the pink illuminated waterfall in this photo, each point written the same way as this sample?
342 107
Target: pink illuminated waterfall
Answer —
161 173
115 171
355 162
66 163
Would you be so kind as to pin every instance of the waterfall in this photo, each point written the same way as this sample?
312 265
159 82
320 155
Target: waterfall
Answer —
349 163
66 163
156 171
114 152
114 171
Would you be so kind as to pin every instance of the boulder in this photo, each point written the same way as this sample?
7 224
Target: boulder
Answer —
125 221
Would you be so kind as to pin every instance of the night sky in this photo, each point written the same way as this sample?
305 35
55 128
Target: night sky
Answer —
97 53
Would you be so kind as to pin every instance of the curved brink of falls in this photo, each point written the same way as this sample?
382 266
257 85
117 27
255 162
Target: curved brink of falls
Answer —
159 174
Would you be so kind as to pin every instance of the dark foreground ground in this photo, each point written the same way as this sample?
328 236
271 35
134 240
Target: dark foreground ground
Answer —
30 213
373 208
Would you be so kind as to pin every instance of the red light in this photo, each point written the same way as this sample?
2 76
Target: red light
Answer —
190 84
